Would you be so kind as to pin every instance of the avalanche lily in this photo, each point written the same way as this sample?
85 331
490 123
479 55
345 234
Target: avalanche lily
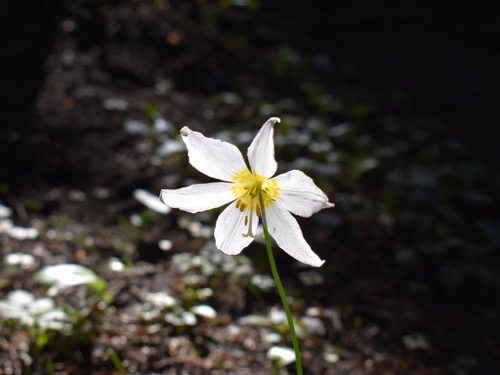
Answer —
252 193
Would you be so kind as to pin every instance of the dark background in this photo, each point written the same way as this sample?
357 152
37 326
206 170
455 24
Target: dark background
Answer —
443 57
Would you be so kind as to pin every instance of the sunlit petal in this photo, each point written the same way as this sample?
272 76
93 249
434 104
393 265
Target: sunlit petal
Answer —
230 230
196 198
299 194
285 230
261 151
212 157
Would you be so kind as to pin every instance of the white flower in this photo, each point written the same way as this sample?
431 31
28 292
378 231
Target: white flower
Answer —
253 193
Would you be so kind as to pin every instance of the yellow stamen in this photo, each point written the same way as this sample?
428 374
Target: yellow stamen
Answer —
254 193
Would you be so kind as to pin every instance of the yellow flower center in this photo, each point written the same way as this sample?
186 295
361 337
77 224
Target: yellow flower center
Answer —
253 191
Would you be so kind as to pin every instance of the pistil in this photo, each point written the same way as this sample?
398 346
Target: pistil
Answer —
254 193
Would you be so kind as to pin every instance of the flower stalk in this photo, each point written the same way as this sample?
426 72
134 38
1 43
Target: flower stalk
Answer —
251 193
284 301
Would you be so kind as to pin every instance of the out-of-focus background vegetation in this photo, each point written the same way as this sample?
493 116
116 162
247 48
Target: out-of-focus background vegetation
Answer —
390 107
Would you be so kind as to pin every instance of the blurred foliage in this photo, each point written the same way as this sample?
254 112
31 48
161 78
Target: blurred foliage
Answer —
51 323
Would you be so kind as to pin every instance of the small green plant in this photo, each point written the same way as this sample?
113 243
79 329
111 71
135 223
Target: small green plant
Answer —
52 326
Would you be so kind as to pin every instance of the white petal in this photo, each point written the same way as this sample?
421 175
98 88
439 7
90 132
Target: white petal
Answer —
196 198
300 195
261 151
217 159
230 229
151 201
285 230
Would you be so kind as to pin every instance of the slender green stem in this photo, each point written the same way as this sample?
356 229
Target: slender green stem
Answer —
284 301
